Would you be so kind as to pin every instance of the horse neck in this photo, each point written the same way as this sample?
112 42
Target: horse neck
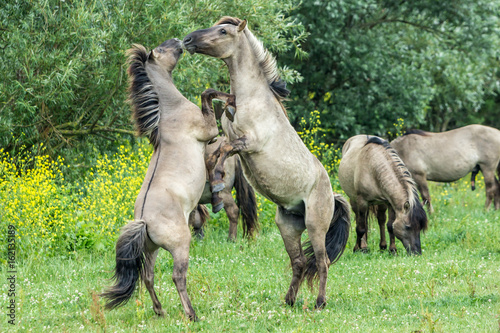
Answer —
246 74
164 86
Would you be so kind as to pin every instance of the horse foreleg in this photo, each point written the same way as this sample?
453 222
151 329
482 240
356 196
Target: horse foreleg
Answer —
392 239
361 213
210 94
382 218
291 228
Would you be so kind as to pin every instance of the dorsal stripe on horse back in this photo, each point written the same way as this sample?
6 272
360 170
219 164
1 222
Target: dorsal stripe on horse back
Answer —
416 131
142 95
266 60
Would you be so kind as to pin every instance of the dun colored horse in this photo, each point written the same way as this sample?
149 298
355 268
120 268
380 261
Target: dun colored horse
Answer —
371 173
449 156
245 205
175 178
275 160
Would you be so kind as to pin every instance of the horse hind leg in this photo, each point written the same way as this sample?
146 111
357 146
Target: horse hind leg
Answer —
291 228
491 185
232 212
216 170
174 236
148 278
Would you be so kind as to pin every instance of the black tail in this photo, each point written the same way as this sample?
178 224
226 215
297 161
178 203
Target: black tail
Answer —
130 264
246 201
336 238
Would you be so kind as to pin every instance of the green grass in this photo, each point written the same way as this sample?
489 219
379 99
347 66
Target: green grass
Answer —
452 287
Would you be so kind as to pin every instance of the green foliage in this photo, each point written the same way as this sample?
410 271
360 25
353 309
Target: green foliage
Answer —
372 62
62 62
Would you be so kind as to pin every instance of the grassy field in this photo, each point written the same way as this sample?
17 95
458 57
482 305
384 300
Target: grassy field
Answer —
452 287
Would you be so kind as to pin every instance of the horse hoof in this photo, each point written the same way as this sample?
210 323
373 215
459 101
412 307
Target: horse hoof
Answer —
217 207
230 111
217 187
160 313
320 304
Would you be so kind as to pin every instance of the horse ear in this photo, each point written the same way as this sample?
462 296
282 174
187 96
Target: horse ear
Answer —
154 54
151 55
242 25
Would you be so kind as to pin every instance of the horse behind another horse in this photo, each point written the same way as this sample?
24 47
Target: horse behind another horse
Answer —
244 206
449 156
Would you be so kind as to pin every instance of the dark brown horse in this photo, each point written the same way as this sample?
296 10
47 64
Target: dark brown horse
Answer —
244 206
371 173
275 160
449 156
175 178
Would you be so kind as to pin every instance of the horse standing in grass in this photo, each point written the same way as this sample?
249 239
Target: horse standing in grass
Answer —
175 178
371 173
275 160
449 156
245 205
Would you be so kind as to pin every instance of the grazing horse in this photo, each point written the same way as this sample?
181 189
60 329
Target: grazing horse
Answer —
175 178
275 160
245 205
449 156
371 173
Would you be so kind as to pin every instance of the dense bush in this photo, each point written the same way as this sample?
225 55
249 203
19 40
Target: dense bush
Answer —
62 62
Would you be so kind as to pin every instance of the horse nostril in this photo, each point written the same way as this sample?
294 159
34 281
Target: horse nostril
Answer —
187 40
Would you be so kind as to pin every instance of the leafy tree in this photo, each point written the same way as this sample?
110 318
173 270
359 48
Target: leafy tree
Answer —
373 62
62 62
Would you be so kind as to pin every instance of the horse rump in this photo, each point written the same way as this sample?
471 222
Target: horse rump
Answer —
335 240
130 264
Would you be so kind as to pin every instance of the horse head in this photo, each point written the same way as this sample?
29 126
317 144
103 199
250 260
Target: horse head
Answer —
167 54
408 225
218 41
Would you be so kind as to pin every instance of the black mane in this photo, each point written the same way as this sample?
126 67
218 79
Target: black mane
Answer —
142 95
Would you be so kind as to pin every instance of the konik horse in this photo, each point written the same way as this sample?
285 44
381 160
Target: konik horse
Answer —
275 160
371 173
245 205
449 156
175 178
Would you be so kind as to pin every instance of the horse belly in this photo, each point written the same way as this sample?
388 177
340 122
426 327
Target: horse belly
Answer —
285 182
450 169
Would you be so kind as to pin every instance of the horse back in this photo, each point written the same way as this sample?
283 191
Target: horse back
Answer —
449 156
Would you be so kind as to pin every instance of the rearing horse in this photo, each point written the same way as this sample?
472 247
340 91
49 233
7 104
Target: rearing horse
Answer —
175 178
275 160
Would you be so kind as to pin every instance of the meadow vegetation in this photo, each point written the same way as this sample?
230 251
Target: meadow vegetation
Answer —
66 231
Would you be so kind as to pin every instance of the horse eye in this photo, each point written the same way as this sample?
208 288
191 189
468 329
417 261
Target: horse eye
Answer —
223 31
